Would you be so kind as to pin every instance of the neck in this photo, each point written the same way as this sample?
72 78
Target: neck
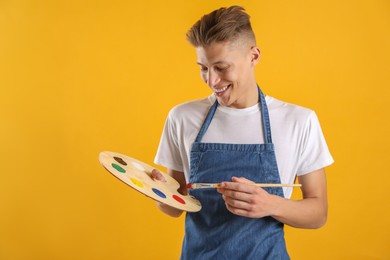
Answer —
250 98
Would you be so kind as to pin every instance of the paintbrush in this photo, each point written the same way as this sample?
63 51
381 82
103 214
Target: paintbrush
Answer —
217 185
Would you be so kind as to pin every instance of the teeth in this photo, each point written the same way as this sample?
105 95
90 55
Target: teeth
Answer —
221 89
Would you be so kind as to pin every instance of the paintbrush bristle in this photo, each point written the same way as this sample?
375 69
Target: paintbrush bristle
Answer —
201 185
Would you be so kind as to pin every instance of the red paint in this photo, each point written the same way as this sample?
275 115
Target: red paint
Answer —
189 186
178 199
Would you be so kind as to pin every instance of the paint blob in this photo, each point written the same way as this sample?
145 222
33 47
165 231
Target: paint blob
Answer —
137 182
178 199
118 168
138 166
137 175
159 193
120 160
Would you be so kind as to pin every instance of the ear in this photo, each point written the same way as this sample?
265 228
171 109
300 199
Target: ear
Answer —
255 55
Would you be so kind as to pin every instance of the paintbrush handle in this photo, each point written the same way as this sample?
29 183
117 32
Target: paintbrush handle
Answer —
264 185
216 185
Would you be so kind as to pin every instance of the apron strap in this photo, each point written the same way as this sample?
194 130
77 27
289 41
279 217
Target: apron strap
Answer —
207 122
264 116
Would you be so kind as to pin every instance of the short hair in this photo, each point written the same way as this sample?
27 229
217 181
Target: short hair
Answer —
222 25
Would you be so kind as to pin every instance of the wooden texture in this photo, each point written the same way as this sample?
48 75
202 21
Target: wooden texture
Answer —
137 175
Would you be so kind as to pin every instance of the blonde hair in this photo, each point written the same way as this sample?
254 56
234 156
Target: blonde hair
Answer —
222 25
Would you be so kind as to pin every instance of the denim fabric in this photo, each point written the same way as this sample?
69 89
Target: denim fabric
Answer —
216 233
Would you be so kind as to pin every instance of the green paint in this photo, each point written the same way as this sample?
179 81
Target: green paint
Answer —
118 168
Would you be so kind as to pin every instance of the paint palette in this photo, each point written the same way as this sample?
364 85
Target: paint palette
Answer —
137 175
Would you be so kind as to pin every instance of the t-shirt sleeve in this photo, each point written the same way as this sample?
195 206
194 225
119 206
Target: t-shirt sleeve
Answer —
168 152
313 150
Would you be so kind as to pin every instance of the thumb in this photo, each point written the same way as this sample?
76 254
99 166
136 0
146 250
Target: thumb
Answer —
157 175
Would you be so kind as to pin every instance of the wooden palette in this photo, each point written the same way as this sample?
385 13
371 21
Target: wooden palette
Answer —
137 175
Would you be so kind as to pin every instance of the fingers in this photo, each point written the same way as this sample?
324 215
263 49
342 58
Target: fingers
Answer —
242 180
237 194
243 198
236 204
157 175
238 184
240 207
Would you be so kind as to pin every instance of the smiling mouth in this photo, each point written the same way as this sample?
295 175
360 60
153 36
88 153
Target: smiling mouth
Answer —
219 91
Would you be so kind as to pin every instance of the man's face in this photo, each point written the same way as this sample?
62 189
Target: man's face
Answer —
228 69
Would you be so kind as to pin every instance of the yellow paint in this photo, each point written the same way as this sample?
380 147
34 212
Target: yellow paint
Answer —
81 77
137 182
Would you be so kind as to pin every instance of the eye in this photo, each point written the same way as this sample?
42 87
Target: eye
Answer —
203 69
222 69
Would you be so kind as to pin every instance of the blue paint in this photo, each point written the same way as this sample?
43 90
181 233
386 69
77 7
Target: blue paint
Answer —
159 193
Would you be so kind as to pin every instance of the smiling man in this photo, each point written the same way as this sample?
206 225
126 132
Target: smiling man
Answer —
236 137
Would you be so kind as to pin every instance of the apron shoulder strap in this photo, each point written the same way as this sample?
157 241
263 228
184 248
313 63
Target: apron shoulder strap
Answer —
207 122
265 117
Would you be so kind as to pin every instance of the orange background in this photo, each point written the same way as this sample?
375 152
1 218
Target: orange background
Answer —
80 77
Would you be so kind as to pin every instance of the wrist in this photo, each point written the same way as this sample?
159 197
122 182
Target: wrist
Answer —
275 206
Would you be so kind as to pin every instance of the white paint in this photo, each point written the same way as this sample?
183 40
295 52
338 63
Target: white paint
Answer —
138 166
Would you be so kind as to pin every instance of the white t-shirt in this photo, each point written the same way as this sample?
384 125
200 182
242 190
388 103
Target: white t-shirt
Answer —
300 146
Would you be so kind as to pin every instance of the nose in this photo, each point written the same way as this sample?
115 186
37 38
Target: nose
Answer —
212 78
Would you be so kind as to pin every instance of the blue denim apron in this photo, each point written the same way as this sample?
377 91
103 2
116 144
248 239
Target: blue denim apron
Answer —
215 232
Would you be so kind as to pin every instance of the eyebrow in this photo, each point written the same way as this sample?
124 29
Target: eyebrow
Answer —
218 62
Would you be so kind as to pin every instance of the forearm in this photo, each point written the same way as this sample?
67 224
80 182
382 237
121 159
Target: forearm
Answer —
305 213
170 211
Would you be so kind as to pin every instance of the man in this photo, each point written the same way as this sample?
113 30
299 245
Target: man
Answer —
237 137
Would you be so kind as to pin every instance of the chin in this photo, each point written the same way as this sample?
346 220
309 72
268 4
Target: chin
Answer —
224 102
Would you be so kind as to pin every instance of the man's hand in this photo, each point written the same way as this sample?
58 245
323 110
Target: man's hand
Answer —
244 199
179 177
157 175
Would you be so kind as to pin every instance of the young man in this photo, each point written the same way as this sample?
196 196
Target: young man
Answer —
237 137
